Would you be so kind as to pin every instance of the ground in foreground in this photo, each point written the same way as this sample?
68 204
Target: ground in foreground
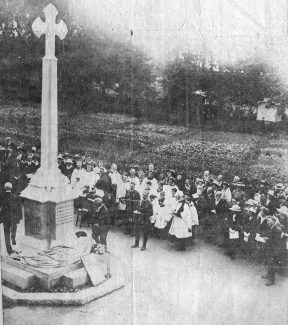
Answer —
200 286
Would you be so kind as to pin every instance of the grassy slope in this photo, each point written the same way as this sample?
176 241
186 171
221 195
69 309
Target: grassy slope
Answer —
109 137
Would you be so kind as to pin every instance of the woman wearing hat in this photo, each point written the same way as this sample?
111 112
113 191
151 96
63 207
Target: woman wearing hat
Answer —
271 202
261 233
249 230
238 194
233 230
278 189
226 192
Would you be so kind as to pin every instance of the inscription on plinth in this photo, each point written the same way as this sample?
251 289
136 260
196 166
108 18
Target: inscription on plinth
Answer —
64 212
33 212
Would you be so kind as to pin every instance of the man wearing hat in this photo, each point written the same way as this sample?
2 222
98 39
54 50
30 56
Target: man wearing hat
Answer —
272 249
68 169
278 189
100 221
233 223
10 216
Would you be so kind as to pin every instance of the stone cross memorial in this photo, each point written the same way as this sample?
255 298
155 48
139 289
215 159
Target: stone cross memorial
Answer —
49 198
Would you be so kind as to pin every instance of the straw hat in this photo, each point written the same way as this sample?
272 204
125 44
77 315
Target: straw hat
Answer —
239 184
279 187
69 161
283 210
253 210
271 193
235 208
250 202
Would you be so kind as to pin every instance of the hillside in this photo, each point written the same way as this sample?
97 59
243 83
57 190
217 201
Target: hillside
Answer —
119 138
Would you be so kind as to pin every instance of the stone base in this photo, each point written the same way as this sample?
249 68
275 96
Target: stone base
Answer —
72 276
19 278
46 278
70 298
75 279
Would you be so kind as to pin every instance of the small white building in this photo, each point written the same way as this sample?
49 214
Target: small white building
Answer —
269 111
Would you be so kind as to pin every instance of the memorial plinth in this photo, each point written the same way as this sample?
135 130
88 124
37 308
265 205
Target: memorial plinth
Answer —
48 210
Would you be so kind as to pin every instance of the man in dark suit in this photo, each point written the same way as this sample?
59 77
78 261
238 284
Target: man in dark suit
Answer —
272 249
100 222
10 216
221 210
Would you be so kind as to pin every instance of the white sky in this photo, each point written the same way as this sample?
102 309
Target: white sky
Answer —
230 29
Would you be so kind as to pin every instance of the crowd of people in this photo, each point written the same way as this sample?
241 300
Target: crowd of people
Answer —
248 218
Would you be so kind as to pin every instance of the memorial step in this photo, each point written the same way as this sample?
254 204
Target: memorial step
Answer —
75 279
17 277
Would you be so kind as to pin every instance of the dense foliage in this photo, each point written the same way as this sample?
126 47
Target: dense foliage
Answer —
95 72
99 73
217 91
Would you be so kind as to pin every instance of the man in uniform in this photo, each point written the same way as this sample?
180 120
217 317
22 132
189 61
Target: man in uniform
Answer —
142 222
132 200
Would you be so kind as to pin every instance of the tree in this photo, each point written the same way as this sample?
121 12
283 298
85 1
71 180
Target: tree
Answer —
94 70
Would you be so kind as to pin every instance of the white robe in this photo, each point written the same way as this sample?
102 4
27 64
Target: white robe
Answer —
116 178
121 191
180 225
171 204
161 217
78 185
89 178
226 195
194 215
168 190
